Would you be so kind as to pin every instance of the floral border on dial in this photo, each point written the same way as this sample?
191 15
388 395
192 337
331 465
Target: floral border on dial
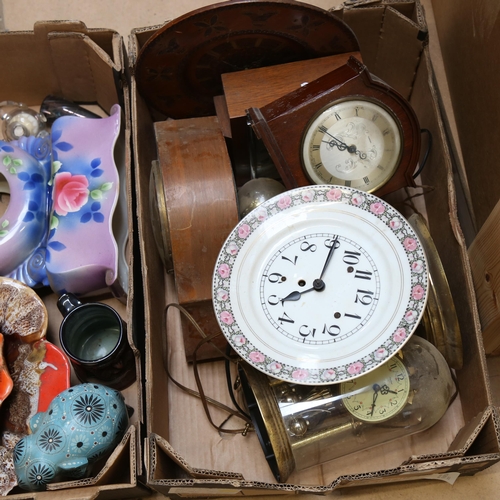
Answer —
302 196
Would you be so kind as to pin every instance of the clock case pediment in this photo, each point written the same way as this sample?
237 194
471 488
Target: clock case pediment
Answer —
281 124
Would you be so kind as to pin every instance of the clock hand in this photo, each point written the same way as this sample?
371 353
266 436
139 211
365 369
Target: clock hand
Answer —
385 390
335 244
318 285
342 146
376 388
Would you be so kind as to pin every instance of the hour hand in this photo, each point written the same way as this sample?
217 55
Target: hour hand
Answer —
318 285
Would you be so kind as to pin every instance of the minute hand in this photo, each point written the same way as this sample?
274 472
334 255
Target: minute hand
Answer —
342 146
335 244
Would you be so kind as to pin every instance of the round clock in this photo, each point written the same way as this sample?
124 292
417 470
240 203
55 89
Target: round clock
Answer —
320 284
378 395
353 142
347 127
178 70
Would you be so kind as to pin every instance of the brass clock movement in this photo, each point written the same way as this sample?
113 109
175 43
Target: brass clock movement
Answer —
346 128
300 426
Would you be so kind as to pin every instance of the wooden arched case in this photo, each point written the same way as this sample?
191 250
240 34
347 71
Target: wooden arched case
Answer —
282 123
193 210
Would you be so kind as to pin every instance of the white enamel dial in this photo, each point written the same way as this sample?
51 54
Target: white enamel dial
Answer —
334 304
320 284
353 142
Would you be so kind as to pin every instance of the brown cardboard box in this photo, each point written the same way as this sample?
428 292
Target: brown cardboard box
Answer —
87 66
184 455
472 120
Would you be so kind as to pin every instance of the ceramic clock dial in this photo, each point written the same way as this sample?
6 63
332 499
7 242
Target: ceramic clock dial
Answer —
379 395
320 284
353 142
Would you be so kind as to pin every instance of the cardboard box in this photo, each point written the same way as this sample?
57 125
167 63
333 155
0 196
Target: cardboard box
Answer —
87 66
184 454
465 94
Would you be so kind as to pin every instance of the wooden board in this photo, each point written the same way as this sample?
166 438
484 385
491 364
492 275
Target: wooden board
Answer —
258 87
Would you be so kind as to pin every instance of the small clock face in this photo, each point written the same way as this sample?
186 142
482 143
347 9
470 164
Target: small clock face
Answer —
320 284
378 395
353 142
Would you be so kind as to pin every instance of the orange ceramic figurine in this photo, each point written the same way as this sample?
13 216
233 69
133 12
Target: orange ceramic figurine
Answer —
6 383
37 369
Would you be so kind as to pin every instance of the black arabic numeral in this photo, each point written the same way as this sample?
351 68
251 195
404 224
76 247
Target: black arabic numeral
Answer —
332 330
273 300
308 332
364 297
363 275
285 319
351 258
275 278
308 247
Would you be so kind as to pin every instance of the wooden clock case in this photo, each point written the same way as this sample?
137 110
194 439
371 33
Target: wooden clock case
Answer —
281 124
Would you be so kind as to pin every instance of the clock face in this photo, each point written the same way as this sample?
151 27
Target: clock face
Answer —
353 142
290 274
320 284
379 395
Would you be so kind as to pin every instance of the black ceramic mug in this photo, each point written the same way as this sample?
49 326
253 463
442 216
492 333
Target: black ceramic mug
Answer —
94 337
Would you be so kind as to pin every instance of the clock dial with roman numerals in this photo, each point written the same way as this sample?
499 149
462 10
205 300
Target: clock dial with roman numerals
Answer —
320 284
352 142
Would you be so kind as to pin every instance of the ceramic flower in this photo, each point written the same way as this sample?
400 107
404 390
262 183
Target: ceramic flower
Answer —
418 292
399 335
71 192
284 202
395 223
357 199
329 374
411 316
274 367
334 194
232 248
381 353
260 213
377 208
257 357
239 340
355 368
222 294
224 271
308 195
410 244
226 317
417 266
300 374
243 231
